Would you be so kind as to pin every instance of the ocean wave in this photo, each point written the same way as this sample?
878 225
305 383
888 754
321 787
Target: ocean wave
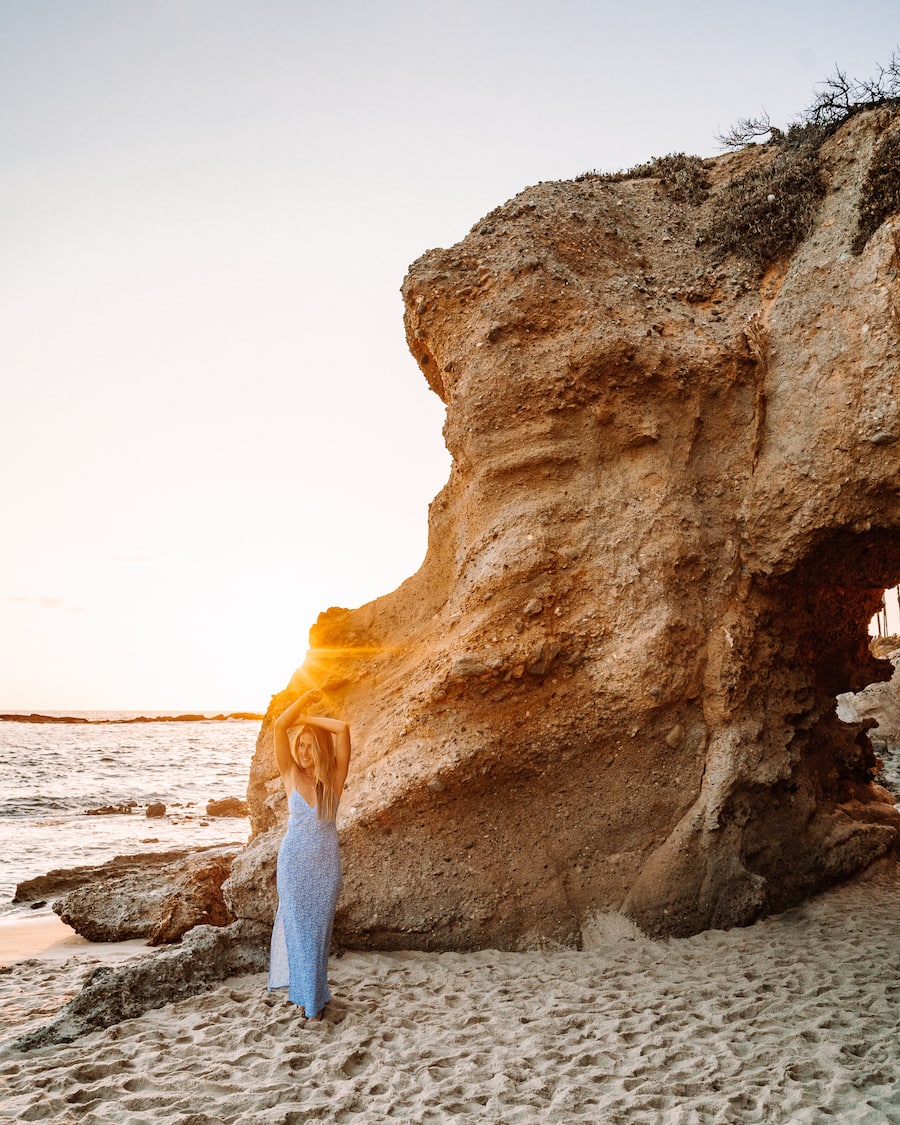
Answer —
36 807
51 775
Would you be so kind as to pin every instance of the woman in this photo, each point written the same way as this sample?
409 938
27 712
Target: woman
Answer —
313 761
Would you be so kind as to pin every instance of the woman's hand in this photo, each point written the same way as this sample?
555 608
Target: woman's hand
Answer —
294 714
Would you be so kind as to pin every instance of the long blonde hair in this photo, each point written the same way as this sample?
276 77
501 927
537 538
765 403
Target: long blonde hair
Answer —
325 767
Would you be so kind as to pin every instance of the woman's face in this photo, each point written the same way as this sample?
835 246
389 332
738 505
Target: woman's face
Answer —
304 750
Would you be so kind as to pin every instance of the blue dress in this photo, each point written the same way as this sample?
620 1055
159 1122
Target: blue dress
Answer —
308 881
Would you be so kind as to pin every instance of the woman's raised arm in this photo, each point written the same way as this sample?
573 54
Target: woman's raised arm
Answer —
294 716
288 718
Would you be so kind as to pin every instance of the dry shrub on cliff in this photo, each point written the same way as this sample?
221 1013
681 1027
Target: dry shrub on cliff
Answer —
766 213
683 178
839 98
880 194
774 226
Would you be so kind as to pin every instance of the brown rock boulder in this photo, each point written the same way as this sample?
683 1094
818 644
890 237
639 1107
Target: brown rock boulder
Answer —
250 891
673 506
227 806
160 902
61 880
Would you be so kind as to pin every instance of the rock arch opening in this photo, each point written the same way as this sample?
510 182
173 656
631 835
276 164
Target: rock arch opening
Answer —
877 705
822 652
790 799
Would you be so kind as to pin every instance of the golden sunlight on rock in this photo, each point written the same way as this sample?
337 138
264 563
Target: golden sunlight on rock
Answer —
672 510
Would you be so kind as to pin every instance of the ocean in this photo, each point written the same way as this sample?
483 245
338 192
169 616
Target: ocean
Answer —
52 774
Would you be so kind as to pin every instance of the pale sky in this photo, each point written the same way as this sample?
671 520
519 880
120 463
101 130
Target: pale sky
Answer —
211 427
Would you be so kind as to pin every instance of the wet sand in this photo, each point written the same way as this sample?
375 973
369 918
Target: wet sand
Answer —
44 936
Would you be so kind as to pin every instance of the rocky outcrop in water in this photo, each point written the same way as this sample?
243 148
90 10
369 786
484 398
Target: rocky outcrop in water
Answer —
672 509
227 806
61 880
33 717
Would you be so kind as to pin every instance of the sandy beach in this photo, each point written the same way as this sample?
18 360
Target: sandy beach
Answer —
44 937
791 1020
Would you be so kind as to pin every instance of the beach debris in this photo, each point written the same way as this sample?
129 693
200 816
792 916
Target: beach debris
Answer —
111 810
156 809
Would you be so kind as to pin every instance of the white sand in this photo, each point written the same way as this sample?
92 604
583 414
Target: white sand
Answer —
792 1020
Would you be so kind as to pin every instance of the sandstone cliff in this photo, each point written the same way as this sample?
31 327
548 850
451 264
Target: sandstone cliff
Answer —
673 505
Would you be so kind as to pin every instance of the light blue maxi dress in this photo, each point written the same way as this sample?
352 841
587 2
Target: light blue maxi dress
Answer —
309 882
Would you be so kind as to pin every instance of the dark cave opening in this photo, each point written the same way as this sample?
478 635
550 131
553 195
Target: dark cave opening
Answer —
877 705
821 612
827 604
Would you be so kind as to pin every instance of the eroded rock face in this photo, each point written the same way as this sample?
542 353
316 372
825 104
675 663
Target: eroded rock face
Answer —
673 505
208 955
61 880
143 896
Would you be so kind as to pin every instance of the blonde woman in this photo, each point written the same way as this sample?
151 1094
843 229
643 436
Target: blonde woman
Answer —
313 756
